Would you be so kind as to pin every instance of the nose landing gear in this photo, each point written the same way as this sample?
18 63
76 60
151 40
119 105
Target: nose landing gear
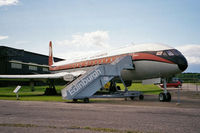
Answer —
164 96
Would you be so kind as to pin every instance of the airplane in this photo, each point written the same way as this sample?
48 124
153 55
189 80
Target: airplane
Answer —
150 61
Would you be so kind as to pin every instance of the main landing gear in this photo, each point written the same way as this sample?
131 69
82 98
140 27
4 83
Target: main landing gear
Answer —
165 96
51 90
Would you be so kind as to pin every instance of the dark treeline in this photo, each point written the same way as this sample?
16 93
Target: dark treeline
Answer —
189 77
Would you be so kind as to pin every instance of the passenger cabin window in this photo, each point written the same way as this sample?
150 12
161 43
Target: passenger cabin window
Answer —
106 60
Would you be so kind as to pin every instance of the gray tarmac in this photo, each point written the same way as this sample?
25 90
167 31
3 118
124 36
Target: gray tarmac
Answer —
107 115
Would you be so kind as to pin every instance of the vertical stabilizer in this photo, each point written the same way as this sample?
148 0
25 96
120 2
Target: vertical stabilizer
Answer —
50 54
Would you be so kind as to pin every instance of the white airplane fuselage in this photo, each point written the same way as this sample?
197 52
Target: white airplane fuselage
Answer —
149 60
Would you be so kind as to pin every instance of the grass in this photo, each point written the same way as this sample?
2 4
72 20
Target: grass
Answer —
146 89
25 93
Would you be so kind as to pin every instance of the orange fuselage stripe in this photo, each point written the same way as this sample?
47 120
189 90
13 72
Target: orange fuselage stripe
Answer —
106 60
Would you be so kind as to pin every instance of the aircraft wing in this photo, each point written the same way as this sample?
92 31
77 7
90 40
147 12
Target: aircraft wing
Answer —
67 76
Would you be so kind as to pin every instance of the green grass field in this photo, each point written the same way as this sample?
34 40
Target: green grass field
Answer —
146 89
25 93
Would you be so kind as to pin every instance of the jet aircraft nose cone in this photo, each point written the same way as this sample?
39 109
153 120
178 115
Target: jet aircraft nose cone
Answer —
182 63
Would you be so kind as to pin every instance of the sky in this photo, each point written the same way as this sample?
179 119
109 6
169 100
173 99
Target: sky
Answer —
80 27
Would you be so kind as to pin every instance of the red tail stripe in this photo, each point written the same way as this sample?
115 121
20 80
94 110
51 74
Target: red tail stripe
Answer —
50 54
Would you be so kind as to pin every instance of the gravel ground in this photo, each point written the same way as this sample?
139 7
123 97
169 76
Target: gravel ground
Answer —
191 87
107 115
116 115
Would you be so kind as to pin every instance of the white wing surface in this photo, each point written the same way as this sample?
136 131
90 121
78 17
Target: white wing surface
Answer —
67 76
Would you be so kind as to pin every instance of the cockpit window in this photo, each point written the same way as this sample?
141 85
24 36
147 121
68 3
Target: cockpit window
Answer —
170 53
176 52
164 53
159 53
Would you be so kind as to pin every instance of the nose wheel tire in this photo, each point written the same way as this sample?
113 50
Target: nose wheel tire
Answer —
164 97
168 97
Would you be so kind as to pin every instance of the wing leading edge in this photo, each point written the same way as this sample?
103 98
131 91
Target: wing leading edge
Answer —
67 76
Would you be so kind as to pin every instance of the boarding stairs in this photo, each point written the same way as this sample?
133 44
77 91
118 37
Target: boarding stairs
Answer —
93 80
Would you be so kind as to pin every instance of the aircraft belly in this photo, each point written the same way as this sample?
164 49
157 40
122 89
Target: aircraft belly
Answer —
150 69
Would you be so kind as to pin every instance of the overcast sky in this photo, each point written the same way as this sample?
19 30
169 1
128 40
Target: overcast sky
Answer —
79 27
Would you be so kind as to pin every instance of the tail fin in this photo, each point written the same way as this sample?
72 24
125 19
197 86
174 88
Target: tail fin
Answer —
50 54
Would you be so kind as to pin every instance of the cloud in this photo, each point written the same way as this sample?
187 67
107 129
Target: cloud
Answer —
3 37
82 45
191 52
8 2
86 40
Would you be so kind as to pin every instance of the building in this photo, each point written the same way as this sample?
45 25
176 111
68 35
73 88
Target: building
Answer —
18 61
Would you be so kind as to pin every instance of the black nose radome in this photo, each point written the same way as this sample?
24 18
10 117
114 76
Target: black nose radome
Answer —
182 63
